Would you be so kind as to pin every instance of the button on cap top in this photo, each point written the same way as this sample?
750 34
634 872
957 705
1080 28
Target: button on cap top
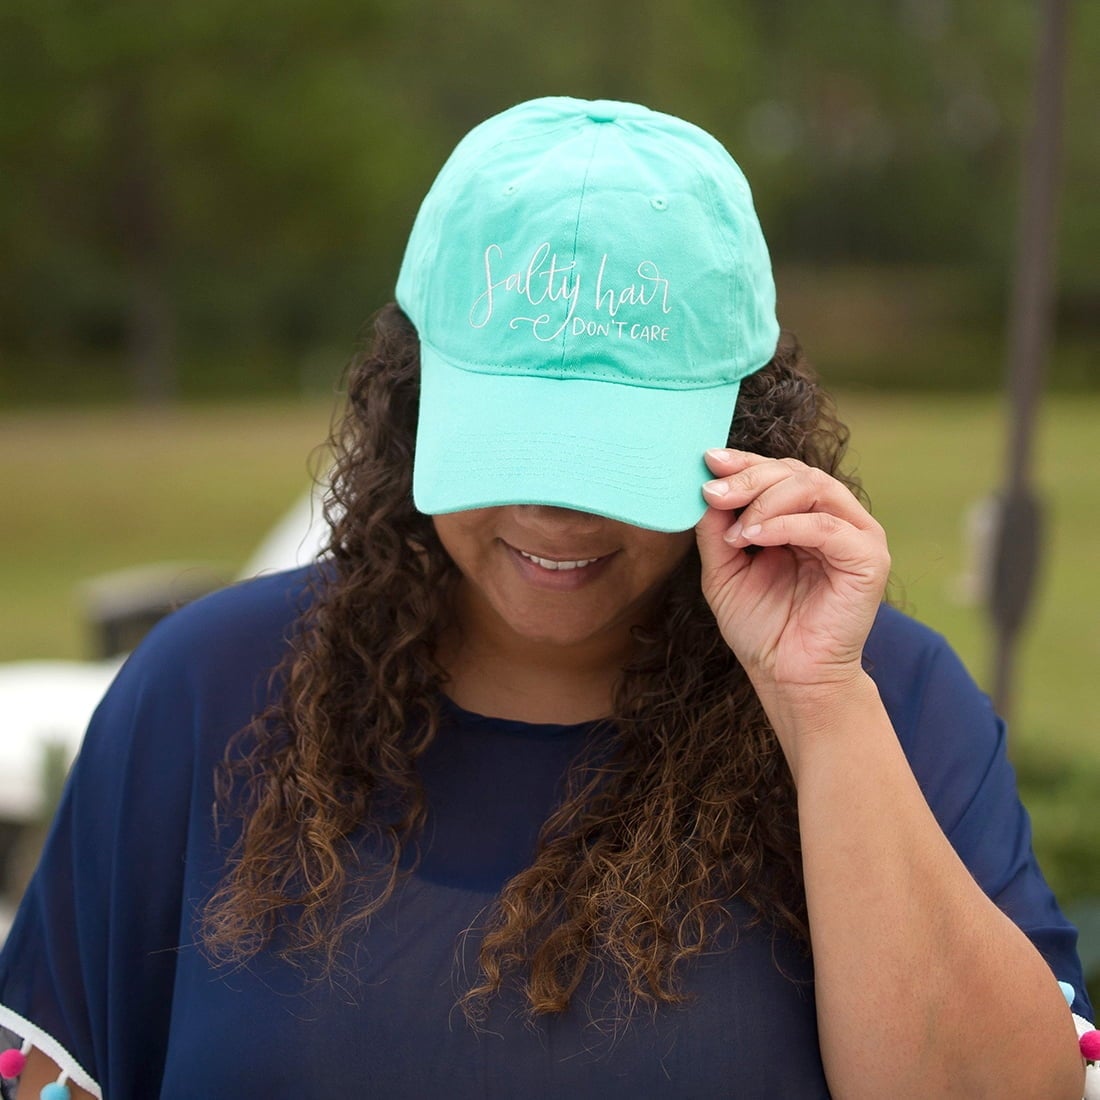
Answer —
603 110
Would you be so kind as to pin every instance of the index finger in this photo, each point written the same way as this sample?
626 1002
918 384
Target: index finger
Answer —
728 460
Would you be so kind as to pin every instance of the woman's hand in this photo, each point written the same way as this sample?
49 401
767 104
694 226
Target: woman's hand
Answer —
797 610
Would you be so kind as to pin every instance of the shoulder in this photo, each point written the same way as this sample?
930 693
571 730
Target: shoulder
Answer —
204 671
242 618
227 637
917 671
897 636
955 742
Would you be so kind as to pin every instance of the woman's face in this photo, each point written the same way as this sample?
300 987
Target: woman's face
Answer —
554 575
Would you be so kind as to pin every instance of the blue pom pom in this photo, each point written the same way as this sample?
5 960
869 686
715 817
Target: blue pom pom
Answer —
1068 992
55 1091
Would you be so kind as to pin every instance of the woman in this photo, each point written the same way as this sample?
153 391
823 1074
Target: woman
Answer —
593 765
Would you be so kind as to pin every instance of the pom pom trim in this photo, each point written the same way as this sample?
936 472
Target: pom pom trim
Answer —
1090 1046
31 1033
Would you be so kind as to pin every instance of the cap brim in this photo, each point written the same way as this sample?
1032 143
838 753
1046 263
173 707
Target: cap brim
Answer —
629 453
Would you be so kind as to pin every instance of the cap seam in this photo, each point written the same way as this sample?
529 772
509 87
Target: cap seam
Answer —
514 139
731 257
504 370
577 228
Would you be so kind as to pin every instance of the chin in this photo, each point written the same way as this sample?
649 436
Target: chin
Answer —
559 635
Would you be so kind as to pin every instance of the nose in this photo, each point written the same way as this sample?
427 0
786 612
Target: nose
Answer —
550 519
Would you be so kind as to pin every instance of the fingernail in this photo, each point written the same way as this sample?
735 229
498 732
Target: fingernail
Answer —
720 453
751 532
734 533
717 488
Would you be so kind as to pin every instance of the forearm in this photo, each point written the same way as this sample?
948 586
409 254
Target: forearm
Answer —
924 988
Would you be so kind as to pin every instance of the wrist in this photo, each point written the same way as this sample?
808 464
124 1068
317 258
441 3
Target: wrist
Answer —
830 717
820 702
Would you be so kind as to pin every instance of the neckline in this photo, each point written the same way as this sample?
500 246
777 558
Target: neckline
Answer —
490 723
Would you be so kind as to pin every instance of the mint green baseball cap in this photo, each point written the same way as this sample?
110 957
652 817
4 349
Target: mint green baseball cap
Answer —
590 284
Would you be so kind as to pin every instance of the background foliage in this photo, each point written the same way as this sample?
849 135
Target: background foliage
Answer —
212 197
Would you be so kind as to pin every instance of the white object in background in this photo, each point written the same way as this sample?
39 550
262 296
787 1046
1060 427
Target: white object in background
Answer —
297 539
43 705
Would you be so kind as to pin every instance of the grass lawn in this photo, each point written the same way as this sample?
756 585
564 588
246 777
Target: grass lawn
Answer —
924 462
90 491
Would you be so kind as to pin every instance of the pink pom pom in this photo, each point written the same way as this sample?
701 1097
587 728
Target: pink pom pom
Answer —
12 1062
1090 1046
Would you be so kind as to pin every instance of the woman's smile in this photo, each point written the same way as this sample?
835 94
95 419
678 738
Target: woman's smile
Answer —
558 571
556 575
552 564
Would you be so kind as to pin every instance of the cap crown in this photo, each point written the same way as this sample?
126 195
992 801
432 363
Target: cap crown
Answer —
594 240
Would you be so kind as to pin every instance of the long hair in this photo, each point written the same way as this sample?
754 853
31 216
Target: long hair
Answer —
688 805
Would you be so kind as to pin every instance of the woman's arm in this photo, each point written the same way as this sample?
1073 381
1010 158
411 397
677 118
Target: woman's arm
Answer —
924 988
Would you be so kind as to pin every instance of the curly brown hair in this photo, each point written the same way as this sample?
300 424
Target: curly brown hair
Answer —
688 805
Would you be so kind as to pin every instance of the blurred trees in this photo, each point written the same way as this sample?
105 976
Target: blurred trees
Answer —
213 197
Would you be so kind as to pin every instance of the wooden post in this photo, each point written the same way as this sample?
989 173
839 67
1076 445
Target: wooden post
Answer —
1019 528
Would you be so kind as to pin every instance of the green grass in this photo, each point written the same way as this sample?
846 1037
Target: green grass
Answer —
86 492
925 461
90 491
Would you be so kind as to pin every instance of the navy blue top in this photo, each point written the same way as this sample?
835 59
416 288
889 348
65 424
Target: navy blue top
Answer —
102 957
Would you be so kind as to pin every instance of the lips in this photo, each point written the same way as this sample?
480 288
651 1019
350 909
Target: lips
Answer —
563 574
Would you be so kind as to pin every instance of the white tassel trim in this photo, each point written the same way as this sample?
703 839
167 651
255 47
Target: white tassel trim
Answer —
70 1068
